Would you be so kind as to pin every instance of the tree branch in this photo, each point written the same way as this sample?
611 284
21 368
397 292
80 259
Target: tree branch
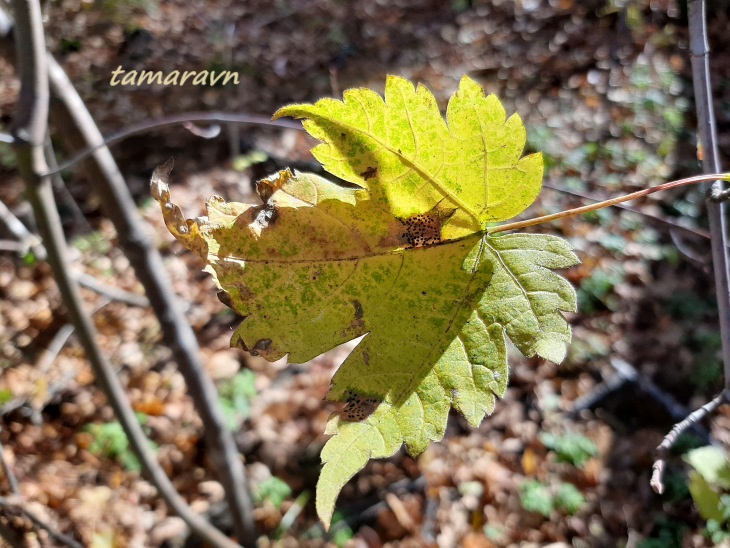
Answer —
707 138
677 430
119 206
29 134
8 471
27 239
35 520
606 203
229 117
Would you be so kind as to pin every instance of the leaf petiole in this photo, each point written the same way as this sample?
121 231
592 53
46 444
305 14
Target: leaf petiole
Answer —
613 201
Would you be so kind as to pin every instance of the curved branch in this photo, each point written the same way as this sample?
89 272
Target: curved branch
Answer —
119 206
229 117
30 135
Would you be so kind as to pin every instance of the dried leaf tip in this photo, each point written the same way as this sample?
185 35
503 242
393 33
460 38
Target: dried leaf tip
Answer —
159 184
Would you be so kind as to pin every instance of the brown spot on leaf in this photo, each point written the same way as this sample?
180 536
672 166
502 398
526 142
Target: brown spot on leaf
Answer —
425 228
358 407
358 309
261 345
225 298
369 173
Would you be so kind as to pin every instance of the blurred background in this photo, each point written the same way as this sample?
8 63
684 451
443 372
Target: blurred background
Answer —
604 88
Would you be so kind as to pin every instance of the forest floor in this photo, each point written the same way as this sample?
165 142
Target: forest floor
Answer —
605 92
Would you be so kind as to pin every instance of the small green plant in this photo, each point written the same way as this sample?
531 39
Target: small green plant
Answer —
543 498
573 448
341 532
235 397
244 161
273 490
568 498
535 496
111 442
93 242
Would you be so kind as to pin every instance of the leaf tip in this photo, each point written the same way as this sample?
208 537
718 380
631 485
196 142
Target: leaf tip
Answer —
281 113
468 83
552 350
160 181
325 510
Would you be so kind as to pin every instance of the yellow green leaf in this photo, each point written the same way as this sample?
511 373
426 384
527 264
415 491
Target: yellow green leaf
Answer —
402 260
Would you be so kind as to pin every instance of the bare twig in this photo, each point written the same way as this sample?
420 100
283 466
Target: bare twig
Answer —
8 471
13 225
606 203
695 232
30 132
119 206
670 439
60 537
699 49
228 117
62 190
12 245
114 293
45 361
51 392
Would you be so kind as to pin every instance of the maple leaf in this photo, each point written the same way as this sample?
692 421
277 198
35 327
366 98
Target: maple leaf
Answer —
403 258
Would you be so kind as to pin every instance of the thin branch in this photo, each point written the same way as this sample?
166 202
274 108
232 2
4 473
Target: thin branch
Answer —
606 203
79 130
62 190
716 212
13 225
30 135
60 537
51 392
45 361
670 439
229 117
114 293
13 245
699 49
8 471
672 225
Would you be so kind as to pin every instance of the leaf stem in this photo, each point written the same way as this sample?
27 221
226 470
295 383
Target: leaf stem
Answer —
613 201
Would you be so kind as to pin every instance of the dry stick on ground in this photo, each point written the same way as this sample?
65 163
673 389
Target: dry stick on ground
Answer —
31 126
699 50
118 204
16 506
